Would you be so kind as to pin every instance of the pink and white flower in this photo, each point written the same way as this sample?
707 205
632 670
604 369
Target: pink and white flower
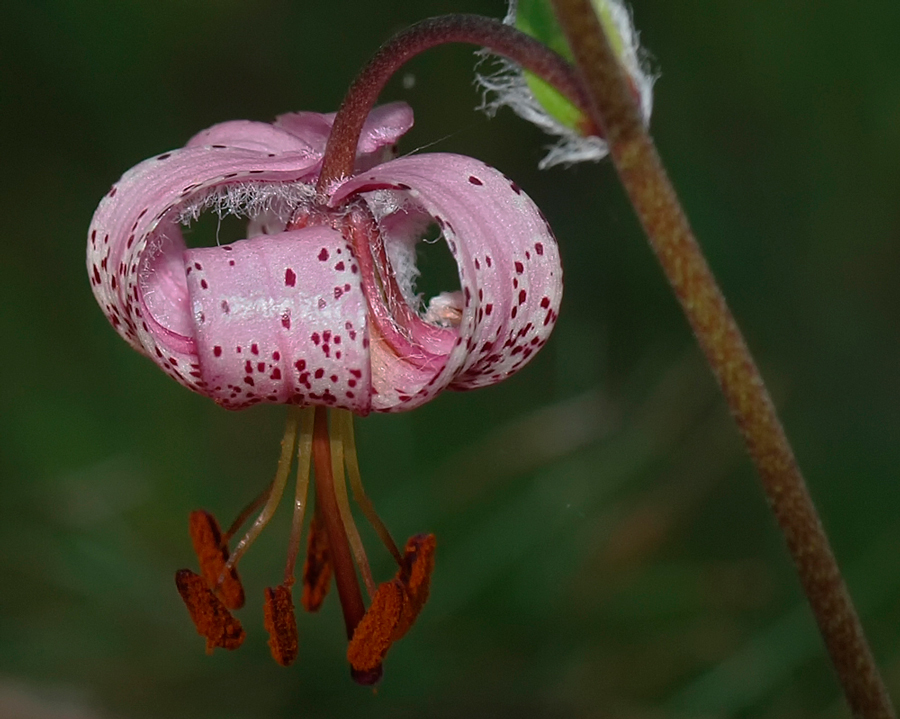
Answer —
318 306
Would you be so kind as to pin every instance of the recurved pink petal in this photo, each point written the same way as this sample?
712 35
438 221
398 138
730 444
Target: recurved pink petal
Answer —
281 318
383 127
135 245
258 136
306 133
509 270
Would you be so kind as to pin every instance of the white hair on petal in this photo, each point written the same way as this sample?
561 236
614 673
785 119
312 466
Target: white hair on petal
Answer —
445 309
261 201
385 202
506 86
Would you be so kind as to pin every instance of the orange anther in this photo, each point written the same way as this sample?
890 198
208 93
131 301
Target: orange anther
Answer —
414 576
281 625
212 554
317 569
373 635
211 618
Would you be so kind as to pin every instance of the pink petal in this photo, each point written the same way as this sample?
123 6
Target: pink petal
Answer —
135 243
306 133
258 136
509 269
383 127
281 318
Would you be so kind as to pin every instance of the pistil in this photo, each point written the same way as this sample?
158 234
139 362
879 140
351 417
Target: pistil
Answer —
338 546
343 503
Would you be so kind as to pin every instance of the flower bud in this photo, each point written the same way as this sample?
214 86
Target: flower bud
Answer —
541 104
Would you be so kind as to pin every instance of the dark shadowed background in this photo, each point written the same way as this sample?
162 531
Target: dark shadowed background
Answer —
603 547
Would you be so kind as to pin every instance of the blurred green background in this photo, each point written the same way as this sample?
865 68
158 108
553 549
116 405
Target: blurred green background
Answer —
604 549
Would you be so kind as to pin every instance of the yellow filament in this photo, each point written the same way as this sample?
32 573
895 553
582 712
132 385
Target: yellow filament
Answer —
343 502
304 456
254 506
281 474
343 420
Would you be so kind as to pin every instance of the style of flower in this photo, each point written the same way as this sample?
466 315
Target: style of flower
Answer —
318 309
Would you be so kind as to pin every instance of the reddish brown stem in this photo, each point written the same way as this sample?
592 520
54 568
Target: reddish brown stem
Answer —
338 546
612 107
501 39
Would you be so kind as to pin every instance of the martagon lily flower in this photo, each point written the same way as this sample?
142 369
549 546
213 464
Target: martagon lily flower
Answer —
318 309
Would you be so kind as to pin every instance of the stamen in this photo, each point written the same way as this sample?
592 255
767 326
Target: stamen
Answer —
415 577
284 466
304 456
340 491
278 612
394 608
212 554
317 570
209 615
338 547
342 421
374 635
254 506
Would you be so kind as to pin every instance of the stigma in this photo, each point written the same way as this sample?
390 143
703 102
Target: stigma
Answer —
323 443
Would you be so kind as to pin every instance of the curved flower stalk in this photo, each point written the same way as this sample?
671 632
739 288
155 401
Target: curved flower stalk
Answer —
317 308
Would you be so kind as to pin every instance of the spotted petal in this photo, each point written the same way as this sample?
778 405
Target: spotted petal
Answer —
509 272
136 252
281 318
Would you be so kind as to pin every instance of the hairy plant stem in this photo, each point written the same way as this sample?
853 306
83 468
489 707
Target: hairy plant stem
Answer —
501 39
612 108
